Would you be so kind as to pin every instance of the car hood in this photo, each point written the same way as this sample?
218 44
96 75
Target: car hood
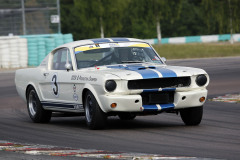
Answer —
146 71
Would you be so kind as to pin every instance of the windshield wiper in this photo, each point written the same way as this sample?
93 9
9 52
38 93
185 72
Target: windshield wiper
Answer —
131 62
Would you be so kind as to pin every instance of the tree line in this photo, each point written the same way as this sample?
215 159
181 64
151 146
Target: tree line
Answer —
149 18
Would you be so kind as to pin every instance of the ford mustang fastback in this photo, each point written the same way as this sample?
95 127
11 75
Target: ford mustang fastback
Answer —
122 77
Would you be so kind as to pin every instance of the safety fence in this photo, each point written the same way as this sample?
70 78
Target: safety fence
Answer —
30 50
196 39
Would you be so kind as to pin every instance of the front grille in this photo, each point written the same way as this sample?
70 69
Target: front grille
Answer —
149 98
172 82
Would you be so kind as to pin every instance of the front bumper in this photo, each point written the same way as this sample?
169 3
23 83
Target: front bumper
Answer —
133 103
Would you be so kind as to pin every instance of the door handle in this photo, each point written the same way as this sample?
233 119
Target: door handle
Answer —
45 74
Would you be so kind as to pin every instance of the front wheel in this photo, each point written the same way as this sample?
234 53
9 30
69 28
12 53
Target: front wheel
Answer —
192 116
35 110
95 117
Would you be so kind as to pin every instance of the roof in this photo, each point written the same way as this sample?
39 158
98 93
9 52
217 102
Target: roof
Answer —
99 40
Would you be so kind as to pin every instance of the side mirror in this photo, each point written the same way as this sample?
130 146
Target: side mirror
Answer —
164 59
68 66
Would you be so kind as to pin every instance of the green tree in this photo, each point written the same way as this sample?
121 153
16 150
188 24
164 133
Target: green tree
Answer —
142 17
110 15
189 23
148 18
222 15
165 9
91 19
137 21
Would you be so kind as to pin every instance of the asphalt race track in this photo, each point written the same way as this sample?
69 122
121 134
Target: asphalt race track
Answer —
218 136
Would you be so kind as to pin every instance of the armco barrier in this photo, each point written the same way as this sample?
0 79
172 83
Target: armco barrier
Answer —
196 39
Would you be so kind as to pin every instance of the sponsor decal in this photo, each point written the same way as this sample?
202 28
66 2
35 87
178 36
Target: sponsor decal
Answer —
113 45
97 45
75 96
156 58
74 88
105 43
82 78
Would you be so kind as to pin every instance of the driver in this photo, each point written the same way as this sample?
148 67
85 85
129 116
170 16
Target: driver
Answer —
124 54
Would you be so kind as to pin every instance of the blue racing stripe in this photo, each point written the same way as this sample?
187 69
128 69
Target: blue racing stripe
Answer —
145 73
78 52
150 108
119 39
151 90
166 72
169 89
100 40
167 106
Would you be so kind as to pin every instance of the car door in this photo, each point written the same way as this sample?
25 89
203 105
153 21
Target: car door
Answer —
60 92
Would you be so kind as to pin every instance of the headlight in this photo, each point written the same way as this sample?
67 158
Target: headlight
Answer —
110 85
201 80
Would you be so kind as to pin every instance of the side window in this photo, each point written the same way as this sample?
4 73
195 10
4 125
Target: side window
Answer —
60 59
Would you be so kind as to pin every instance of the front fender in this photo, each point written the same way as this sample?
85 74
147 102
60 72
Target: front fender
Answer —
96 90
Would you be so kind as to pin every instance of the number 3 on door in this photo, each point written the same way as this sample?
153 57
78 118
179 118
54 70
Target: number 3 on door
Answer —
55 85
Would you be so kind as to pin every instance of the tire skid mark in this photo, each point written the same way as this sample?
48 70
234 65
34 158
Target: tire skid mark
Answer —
86 153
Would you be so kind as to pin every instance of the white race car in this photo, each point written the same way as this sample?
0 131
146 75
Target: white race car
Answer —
122 77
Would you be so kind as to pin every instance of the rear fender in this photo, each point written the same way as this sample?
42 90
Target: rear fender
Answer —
31 84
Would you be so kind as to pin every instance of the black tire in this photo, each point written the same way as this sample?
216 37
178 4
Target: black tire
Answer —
95 117
192 116
35 110
127 116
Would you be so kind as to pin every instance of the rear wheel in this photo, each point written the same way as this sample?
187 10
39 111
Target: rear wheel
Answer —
35 110
192 116
95 117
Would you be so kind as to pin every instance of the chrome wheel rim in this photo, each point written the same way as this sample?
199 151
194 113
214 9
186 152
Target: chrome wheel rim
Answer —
89 108
32 103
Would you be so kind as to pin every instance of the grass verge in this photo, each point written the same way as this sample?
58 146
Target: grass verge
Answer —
197 50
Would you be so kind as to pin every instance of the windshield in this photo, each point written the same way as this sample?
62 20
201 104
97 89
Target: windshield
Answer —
114 53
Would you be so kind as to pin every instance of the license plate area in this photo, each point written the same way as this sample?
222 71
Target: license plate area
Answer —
157 98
